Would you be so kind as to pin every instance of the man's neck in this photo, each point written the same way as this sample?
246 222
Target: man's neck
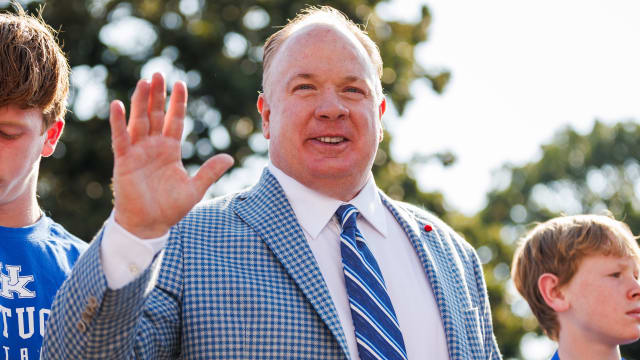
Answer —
343 192
340 189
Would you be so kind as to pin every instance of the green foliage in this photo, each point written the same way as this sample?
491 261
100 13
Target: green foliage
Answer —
395 180
576 173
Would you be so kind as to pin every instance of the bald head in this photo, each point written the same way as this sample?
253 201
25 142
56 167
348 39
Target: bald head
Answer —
307 20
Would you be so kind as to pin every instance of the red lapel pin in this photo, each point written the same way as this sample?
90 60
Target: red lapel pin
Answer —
428 228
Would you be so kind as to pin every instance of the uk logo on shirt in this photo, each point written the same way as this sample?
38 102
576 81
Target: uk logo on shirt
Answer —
23 318
14 284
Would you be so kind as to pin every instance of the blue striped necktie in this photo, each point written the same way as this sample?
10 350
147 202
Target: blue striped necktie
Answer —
377 331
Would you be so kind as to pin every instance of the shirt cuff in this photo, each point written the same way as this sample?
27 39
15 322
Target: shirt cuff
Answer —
125 256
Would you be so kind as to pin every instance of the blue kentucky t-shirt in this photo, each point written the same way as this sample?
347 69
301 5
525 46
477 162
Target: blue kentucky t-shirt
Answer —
556 357
34 261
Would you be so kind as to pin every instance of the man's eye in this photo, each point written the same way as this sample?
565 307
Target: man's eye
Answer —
615 275
8 136
303 87
352 89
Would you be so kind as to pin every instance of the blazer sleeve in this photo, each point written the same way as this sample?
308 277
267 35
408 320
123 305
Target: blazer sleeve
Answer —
140 321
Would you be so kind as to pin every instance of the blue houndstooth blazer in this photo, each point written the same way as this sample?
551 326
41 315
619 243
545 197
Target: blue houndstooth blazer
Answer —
238 280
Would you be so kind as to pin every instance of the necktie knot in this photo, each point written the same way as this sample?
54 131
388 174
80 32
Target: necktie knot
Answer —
347 215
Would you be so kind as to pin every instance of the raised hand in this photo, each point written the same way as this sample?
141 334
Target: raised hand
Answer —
152 189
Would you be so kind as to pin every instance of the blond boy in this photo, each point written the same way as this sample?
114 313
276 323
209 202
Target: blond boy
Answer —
36 254
579 275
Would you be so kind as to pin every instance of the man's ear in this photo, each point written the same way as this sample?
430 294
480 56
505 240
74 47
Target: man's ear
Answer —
552 294
265 112
52 135
383 107
381 110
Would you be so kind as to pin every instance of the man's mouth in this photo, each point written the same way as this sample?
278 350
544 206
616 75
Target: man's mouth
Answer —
331 139
634 313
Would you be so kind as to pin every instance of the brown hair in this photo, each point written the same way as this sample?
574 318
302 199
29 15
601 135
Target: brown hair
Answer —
557 247
34 72
324 15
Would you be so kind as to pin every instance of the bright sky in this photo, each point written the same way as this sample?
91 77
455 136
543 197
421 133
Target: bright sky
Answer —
522 70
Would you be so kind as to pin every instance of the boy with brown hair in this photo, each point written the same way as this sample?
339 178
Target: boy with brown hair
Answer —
36 254
579 275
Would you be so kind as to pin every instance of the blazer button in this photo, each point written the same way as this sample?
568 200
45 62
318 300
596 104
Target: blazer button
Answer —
86 317
81 325
93 302
133 269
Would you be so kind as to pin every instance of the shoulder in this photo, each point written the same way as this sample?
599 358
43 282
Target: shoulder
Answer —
208 207
420 214
261 194
424 217
59 246
212 211
63 238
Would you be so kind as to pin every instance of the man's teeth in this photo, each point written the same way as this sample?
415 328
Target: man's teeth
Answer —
331 139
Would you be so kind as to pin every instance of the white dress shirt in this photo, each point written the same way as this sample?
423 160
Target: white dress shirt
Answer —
124 256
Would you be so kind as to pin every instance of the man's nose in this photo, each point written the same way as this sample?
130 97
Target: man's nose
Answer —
331 107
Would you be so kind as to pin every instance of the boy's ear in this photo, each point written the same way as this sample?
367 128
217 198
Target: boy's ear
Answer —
552 294
51 137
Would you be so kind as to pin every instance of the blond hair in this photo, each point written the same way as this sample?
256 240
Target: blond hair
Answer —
34 72
558 246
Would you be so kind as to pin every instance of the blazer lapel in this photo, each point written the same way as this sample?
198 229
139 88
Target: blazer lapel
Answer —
435 256
267 210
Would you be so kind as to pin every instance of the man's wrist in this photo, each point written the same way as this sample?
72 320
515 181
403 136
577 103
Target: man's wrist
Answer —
142 231
124 256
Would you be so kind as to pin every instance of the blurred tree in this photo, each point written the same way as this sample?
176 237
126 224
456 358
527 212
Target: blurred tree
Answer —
591 173
216 48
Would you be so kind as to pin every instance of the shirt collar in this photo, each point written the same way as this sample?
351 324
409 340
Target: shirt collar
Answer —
314 218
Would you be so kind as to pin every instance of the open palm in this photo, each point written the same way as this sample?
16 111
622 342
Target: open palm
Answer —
152 189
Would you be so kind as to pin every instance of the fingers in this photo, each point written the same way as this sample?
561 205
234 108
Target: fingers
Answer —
147 109
177 111
155 108
211 171
119 137
138 119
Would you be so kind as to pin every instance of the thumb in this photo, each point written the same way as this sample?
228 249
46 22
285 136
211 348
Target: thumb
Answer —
211 171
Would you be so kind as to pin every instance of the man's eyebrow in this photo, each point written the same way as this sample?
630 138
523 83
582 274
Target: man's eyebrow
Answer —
300 76
351 78
11 123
